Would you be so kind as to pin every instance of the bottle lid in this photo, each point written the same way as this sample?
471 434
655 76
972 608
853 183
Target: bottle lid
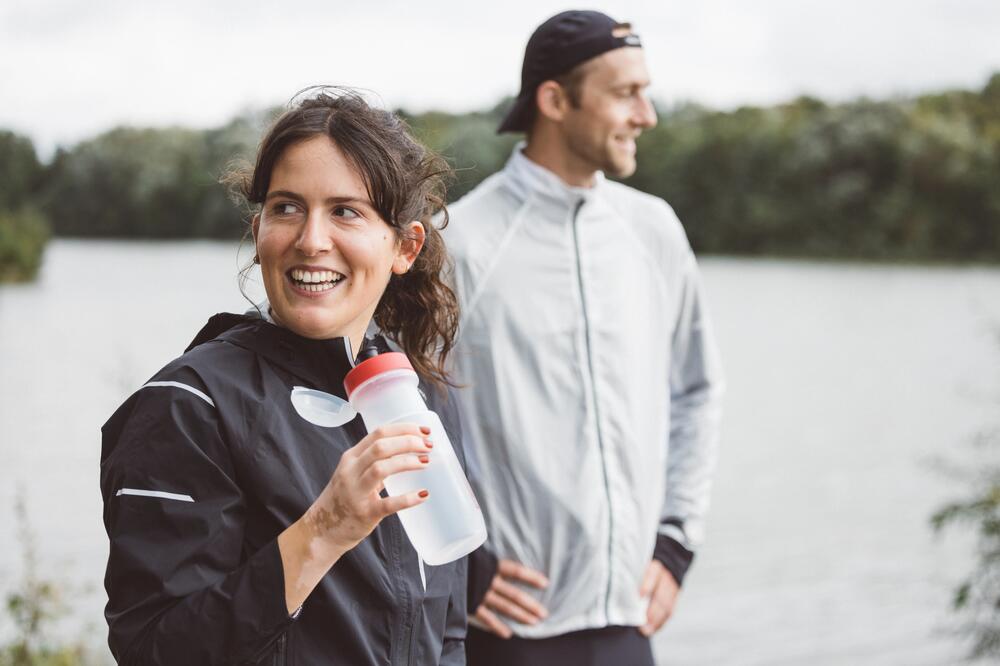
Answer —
374 366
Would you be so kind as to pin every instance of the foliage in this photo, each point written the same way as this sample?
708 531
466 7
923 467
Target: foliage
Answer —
150 183
875 180
899 179
20 171
23 234
978 597
23 230
33 607
469 141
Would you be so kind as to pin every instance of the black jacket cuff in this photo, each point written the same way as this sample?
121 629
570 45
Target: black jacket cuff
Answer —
482 568
675 557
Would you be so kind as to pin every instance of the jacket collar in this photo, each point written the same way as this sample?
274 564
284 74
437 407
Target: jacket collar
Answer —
322 364
529 179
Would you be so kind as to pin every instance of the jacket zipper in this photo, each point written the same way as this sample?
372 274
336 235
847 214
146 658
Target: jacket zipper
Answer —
280 655
597 408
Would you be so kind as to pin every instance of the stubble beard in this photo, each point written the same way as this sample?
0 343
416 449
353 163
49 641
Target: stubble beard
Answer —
601 157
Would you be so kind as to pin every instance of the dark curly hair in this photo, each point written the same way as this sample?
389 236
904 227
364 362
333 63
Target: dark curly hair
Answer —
405 181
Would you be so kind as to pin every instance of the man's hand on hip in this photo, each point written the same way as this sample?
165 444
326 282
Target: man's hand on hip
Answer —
661 588
505 599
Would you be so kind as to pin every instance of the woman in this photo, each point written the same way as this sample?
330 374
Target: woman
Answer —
242 533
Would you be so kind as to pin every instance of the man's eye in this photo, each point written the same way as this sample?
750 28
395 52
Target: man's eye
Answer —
345 212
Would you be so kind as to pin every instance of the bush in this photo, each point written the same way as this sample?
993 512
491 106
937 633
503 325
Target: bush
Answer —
23 234
33 606
977 598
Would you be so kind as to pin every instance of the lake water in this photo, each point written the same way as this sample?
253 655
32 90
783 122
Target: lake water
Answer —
848 384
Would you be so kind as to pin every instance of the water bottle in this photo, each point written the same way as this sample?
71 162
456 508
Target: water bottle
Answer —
449 524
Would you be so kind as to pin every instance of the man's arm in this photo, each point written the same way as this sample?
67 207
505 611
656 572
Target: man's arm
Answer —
696 388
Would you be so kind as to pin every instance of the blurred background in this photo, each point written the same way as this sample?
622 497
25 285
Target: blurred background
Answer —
836 167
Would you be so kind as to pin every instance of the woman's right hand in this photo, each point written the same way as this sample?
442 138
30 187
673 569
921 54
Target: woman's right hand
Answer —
350 506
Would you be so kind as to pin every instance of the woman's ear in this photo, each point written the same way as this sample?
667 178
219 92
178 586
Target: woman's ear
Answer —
254 228
413 235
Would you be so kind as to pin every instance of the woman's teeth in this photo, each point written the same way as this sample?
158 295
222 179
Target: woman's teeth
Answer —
315 280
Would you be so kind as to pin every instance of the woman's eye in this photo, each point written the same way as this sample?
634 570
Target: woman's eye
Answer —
286 209
345 212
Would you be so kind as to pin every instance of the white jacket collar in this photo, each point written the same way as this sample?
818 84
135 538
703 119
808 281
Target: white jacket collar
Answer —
529 179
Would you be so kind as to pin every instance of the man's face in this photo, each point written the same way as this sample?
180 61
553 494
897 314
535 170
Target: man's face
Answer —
613 110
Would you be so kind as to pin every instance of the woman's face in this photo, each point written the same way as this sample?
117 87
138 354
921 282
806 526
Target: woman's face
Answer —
325 254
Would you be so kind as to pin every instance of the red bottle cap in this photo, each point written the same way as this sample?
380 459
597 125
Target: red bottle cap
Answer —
374 366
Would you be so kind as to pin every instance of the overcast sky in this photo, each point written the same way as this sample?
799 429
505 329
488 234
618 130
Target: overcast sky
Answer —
72 68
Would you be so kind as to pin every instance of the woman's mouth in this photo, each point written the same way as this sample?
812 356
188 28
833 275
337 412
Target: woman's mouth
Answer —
314 280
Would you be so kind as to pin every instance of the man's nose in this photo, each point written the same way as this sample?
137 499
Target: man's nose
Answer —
645 113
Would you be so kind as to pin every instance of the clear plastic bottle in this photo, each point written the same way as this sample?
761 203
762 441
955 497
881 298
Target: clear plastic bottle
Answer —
383 389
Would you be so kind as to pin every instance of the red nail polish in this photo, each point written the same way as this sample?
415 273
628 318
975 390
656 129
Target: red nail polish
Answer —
423 493
425 430
429 444
424 458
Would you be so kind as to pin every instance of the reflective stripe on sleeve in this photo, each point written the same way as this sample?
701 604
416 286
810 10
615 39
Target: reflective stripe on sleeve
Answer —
154 493
181 386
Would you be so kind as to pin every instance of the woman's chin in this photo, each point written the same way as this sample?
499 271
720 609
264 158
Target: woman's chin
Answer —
315 326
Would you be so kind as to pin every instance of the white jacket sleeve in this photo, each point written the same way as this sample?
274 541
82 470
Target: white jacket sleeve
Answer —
696 387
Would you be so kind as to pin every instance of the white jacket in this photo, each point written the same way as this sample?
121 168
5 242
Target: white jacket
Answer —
593 384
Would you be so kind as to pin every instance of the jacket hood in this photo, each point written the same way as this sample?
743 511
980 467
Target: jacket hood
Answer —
323 364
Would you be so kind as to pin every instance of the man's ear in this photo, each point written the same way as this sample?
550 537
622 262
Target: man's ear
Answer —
551 100
413 237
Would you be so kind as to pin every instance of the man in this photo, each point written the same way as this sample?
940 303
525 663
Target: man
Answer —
592 379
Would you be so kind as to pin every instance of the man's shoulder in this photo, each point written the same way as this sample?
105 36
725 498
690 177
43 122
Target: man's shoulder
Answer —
482 198
644 209
480 214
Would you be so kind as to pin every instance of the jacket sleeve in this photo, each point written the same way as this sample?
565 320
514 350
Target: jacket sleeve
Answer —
696 387
483 565
181 588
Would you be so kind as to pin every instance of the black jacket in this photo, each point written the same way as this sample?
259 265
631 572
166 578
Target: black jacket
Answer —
194 573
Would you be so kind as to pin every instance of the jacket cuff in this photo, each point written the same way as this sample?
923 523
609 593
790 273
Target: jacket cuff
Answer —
482 568
675 557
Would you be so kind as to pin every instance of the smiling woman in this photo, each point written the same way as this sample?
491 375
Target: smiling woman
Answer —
347 182
325 253
240 531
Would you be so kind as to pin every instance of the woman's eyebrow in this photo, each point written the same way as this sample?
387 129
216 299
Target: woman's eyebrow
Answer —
284 194
349 199
339 199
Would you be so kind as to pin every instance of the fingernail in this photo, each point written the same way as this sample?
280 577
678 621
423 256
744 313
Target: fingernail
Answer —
424 458
428 443
423 493
425 430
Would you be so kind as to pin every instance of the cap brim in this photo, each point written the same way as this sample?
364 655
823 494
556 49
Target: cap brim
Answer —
519 115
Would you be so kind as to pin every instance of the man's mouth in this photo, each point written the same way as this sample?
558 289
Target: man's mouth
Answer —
627 142
315 281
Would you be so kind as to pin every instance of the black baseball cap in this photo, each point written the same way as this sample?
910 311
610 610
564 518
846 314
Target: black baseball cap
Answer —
557 46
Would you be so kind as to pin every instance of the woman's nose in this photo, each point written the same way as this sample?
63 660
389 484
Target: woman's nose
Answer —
314 237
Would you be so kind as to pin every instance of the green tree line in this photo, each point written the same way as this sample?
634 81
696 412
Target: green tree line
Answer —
905 178
23 229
